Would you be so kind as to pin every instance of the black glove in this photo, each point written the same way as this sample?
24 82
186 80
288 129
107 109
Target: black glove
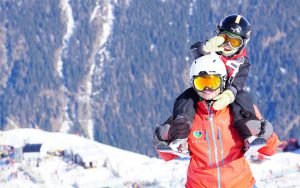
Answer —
180 128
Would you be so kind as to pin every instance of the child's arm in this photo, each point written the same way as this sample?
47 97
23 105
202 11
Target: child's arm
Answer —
204 48
196 50
240 78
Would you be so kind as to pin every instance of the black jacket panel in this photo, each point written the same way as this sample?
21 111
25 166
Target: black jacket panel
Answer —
242 75
186 104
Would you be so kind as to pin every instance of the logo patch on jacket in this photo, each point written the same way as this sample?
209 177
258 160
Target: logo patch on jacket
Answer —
197 134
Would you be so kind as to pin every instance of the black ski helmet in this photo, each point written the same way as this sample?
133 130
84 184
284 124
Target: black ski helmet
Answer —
238 25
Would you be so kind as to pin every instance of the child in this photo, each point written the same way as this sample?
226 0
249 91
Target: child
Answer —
233 34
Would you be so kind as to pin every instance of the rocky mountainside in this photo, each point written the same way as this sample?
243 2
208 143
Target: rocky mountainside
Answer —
110 70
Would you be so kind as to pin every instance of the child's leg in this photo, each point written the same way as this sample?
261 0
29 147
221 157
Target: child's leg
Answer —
185 105
242 107
245 120
178 125
176 129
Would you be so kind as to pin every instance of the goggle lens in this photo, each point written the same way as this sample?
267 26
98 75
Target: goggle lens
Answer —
212 82
235 41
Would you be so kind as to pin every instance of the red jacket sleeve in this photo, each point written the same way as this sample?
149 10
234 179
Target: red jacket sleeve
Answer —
271 147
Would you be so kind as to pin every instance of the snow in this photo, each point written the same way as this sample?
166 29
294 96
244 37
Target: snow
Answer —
152 47
95 12
282 70
280 170
108 24
107 18
187 58
119 168
191 8
67 10
70 27
103 14
67 123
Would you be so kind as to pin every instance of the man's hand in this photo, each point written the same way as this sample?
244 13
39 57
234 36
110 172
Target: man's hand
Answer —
223 100
213 44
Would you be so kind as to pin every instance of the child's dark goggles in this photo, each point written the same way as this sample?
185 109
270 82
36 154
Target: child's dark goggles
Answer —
234 40
212 82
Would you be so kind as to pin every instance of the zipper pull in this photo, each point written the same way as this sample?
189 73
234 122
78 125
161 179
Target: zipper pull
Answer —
209 109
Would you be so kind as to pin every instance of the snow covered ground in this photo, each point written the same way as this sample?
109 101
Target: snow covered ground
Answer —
119 168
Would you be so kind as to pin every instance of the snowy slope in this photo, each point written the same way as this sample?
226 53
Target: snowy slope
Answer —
120 168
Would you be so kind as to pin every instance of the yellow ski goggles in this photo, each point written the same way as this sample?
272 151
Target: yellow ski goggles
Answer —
212 82
234 40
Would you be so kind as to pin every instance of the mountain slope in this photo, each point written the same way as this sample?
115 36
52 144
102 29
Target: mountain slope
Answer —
110 70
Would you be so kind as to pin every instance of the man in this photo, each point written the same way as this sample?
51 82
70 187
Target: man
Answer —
215 148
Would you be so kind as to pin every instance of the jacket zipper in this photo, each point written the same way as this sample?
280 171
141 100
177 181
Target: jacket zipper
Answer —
208 141
210 118
208 147
221 145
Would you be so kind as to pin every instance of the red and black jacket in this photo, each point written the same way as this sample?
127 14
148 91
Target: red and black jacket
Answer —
186 102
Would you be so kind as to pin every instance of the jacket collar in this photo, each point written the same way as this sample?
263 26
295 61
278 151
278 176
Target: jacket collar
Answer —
204 107
242 54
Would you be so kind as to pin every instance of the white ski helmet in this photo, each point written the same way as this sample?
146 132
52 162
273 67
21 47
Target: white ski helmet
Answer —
209 65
